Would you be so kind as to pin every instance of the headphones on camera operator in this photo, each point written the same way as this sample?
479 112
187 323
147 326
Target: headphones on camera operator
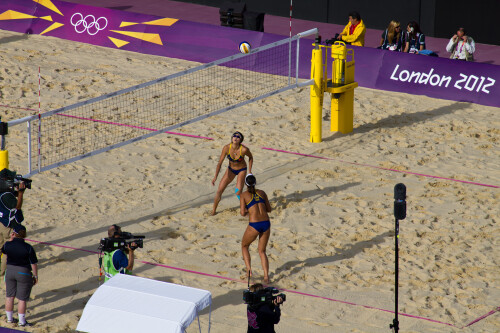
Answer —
255 299
121 240
108 246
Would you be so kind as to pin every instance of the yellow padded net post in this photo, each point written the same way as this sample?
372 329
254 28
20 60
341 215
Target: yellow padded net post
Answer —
342 89
317 92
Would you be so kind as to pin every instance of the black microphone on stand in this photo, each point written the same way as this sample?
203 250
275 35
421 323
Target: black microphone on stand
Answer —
400 201
399 214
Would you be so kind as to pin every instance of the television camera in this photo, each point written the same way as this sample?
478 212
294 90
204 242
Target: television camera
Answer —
122 242
332 40
266 295
9 181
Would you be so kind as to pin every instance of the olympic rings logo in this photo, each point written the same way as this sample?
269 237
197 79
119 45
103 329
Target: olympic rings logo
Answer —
88 23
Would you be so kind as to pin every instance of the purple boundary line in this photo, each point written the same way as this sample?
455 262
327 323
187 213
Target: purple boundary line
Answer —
374 308
381 168
277 150
287 290
113 123
482 317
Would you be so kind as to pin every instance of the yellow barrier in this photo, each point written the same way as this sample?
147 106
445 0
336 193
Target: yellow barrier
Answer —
341 87
317 93
4 159
4 154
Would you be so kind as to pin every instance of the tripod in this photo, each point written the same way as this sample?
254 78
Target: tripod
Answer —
399 214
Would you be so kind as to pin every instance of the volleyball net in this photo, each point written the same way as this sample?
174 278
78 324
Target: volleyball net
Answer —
116 119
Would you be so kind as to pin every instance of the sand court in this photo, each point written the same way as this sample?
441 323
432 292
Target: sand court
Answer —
332 221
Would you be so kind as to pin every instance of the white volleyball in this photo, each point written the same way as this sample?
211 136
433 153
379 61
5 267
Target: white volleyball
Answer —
245 47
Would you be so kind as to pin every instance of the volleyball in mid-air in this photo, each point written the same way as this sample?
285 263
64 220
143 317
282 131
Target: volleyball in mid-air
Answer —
245 47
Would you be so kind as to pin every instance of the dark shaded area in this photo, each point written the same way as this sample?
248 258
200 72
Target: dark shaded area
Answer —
284 201
233 297
403 120
57 294
121 7
437 18
11 39
350 251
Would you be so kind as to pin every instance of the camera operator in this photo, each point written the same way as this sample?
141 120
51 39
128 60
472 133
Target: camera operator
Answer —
263 316
10 215
116 261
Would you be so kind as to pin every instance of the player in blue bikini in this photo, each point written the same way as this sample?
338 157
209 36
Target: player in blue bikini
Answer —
235 152
255 204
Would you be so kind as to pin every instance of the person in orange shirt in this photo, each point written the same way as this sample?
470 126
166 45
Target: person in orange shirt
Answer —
354 31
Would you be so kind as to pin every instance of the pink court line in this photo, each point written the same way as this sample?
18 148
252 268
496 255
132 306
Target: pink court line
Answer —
113 123
381 168
287 290
132 126
283 151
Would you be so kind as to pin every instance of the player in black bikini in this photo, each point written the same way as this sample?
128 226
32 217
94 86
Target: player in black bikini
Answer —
235 153
255 204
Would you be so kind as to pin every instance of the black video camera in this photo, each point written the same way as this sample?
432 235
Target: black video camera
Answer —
266 295
332 40
124 241
9 181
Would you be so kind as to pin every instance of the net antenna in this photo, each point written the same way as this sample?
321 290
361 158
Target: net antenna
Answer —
90 127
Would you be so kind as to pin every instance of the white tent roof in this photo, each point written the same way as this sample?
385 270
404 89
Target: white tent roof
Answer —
129 303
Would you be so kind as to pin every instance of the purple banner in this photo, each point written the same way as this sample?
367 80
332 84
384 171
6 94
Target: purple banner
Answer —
441 78
170 37
142 33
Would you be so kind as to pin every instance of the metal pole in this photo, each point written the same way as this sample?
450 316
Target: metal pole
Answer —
28 123
290 47
399 214
39 124
395 324
297 62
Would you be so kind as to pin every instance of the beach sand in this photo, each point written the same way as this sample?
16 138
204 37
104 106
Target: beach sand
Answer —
332 220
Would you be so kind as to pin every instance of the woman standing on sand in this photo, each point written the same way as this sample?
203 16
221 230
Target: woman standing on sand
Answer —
21 273
255 204
235 153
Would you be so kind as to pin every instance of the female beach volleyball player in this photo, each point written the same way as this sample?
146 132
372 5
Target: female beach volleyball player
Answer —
235 153
255 204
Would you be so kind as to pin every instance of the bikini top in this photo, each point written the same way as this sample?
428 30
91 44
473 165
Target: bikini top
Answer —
239 159
255 200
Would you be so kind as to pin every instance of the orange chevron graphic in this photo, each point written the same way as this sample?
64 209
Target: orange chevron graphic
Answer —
13 15
164 21
147 37
52 27
49 5
127 24
118 42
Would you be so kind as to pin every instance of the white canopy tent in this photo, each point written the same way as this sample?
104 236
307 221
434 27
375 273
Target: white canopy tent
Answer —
129 303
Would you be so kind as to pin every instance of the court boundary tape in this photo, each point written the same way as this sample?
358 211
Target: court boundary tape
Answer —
299 154
279 150
380 168
113 123
286 290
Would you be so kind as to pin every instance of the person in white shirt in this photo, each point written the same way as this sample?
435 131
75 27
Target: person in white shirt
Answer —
461 46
